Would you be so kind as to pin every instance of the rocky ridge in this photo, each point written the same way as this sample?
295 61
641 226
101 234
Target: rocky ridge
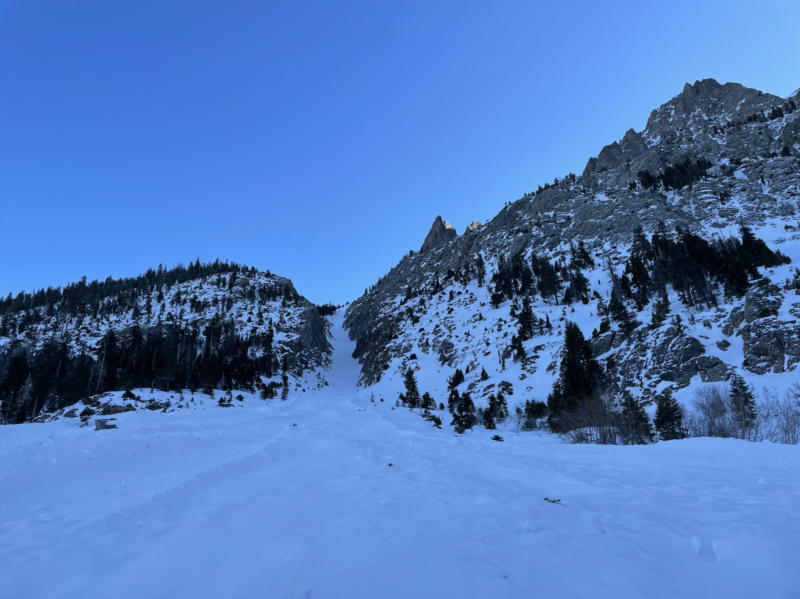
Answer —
742 151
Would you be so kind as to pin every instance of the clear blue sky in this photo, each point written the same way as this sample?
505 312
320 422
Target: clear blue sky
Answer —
320 139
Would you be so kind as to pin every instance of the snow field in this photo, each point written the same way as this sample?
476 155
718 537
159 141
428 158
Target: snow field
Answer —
241 503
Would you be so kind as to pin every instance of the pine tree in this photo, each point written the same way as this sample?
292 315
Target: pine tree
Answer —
412 397
488 419
285 391
534 410
525 319
669 417
579 376
660 311
635 427
464 417
518 349
455 380
742 404
480 269
484 374
452 401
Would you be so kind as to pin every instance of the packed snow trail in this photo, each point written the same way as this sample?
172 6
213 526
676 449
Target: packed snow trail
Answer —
241 503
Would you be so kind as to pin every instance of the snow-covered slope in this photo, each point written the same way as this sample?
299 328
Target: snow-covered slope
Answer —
430 305
334 493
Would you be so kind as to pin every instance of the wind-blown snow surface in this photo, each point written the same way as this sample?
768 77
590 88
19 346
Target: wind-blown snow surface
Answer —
240 502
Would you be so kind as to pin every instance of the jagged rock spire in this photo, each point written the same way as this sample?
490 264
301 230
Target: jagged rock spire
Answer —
441 232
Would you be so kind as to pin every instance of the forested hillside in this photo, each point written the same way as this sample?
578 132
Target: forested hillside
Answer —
205 326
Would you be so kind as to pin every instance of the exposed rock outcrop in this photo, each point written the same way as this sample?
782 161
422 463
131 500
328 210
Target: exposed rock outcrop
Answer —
441 233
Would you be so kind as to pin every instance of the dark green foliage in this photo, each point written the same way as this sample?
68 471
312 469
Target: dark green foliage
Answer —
488 420
326 309
677 176
742 403
549 283
455 380
579 378
634 426
496 411
480 269
519 350
437 422
669 417
411 397
452 400
660 312
677 324
617 310
692 264
526 320
464 418
534 411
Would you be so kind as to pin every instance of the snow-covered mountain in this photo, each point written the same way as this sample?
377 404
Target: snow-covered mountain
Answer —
669 219
218 325
157 456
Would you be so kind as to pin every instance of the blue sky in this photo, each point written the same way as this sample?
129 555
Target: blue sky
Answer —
321 139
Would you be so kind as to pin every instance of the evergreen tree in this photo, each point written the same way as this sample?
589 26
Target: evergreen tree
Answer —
635 427
669 417
480 269
534 410
488 419
617 310
579 376
525 320
484 375
455 380
285 391
742 404
452 401
412 397
519 350
549 283
464 418
660 311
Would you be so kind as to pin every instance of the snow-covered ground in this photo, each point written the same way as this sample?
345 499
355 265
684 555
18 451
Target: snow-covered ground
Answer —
331 495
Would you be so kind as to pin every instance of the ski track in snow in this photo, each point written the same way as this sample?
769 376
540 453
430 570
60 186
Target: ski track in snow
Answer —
240 503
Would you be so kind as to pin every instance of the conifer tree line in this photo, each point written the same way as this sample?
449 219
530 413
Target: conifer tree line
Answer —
41 372
583 408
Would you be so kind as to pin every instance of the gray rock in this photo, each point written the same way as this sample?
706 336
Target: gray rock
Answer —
763 299
712 369
723 344
771 345
441 233
102 424
109 409
603 343
734 320
473 226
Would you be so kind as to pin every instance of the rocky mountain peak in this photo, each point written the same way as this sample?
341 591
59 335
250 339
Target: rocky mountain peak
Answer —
441 232
707 119
705 101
